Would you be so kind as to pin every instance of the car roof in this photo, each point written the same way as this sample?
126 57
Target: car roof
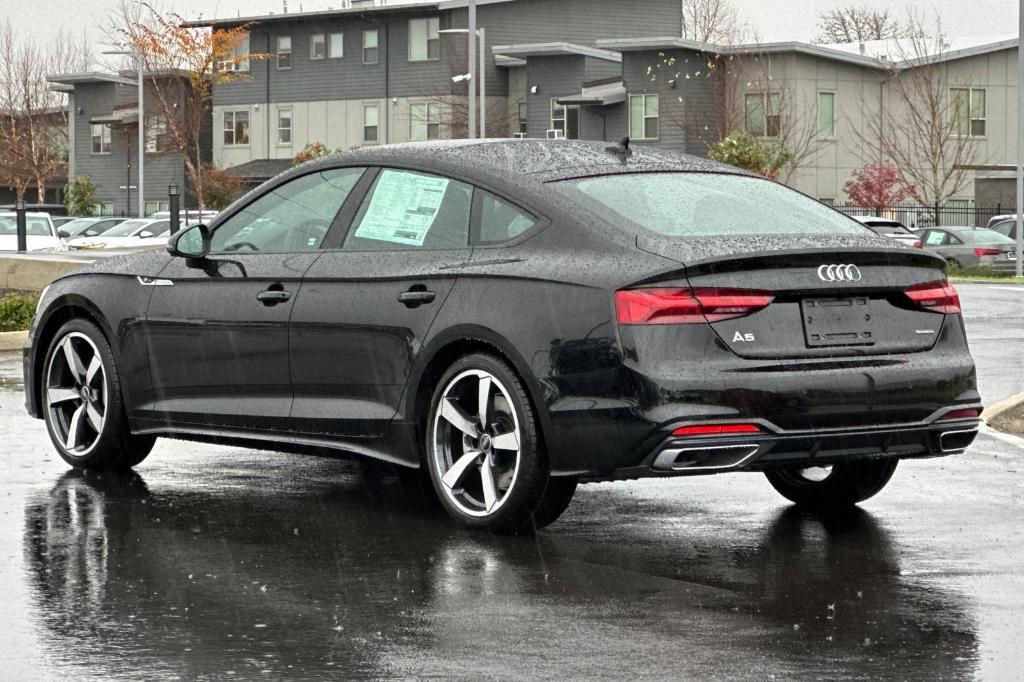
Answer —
30 214
545 160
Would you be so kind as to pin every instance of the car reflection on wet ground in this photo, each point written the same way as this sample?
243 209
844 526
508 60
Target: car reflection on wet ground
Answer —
216 562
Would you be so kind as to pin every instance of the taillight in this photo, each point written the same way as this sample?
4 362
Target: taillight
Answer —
918 244
986 252
936 297
968 413
716 429
687 306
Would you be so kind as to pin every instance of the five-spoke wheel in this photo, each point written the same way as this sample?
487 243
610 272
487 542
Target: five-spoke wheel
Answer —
76 394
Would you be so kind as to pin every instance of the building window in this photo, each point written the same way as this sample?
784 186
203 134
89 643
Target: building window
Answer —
968 105
100 138
152 207
761 114
284 126
424 39
284 52
524 121
236 128
336 45
370 49
317 46
156 134
643 117
425 121
826 114
103 208
237 58
565 119
371 122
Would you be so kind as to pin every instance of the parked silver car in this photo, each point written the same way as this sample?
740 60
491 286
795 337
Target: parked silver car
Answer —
971 247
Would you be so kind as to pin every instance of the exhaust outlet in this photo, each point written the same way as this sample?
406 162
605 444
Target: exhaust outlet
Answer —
956 441
708 458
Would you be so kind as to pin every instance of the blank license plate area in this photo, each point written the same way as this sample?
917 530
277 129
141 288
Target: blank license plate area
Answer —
838 321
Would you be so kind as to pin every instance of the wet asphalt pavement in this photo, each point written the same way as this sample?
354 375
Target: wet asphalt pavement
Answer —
224 563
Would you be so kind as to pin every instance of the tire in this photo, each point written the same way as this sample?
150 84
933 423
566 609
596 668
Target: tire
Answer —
508 451
843 487
83 406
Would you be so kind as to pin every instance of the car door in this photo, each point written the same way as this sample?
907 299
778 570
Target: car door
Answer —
218 329
367 304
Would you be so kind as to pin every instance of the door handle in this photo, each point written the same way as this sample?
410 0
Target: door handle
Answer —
273 296
416 297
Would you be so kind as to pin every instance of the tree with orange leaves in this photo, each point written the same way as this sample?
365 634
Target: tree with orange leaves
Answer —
183 65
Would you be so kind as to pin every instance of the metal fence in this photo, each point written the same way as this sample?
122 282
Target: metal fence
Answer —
916 216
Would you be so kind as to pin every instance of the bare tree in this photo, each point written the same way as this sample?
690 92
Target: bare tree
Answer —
184 64
713 21
852 24
33 117
926 128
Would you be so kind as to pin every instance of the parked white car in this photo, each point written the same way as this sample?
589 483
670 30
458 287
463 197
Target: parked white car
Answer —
131 234
892 229
40 234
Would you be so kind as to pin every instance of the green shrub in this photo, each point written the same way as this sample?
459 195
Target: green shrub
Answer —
16 312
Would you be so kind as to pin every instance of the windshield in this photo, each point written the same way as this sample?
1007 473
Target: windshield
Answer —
77 225
712 204
126 229
37 227
984 236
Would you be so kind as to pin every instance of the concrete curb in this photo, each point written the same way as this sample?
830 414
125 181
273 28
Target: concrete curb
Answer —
1006 415
24 272
12 340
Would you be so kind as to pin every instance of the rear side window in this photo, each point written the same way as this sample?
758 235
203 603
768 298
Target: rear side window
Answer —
1003 228
712 205
406 210
500 221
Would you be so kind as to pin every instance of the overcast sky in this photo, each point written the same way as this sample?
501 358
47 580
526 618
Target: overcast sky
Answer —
773 19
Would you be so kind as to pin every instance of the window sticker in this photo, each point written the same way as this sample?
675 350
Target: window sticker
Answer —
403 208
935 238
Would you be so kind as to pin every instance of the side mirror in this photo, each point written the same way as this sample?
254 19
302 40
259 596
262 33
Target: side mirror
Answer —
63 234
192 243
145 234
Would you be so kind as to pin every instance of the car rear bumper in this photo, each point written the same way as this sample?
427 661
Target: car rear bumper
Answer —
776 448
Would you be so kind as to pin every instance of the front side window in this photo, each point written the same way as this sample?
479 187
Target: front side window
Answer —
407 210
643 117
500 221
371 122
336 45
826 114
284 126
761 114
284 52
425 121
968 109
565 119
293 217
424 39
317 46
370 48
100 138
236 128
711 205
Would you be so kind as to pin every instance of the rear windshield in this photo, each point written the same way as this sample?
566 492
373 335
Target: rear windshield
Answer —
984 236
37 227
712 204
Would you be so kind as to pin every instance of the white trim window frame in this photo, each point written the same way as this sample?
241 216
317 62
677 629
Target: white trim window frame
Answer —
424 39
284 53
335 45
424 121
236 127
99 134
643 121
968 111
371 123
317 46
766 105
826 132
371 47
284 126
237 61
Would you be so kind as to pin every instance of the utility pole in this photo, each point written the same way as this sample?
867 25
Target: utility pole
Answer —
1020 141
483 83
471 35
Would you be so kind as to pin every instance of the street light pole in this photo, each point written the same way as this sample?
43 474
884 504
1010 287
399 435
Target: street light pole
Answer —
471 49
142 137
483 83
1020 142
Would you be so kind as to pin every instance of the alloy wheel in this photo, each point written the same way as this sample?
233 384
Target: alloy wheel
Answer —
76 394
476 443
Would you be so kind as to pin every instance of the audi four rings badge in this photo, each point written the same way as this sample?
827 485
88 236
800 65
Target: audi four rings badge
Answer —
839 273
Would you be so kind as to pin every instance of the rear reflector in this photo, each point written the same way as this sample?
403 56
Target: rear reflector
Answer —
987 252
716 429
969 413
687 306
936 297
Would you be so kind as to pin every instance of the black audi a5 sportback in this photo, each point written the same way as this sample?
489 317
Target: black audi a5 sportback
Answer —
513 317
